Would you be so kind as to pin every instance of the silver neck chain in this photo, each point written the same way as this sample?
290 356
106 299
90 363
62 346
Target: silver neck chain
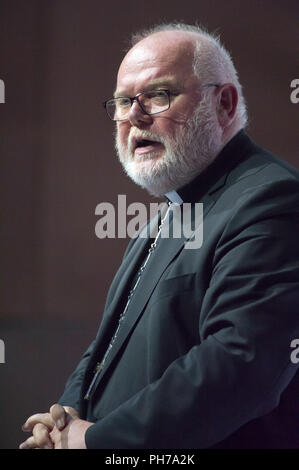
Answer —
100 365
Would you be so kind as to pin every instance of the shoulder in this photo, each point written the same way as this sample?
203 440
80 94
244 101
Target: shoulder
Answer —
260 175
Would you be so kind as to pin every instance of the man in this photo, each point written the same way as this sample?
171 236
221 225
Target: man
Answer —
194 346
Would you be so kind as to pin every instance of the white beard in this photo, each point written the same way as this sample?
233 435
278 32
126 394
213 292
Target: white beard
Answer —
186 155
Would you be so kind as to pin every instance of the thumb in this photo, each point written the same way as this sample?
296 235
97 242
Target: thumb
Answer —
59 415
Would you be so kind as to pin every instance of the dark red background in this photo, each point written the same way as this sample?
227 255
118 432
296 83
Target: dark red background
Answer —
58 59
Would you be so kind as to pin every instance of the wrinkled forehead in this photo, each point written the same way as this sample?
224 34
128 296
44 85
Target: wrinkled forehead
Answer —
155 57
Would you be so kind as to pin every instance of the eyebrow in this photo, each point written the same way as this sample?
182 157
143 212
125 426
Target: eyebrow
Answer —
160 82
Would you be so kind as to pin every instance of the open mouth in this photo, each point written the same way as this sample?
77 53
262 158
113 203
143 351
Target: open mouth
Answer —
146 145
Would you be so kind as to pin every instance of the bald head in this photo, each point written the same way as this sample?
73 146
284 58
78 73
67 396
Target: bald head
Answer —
174 42
171 51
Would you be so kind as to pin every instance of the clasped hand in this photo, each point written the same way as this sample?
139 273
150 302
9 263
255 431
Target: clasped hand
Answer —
60 428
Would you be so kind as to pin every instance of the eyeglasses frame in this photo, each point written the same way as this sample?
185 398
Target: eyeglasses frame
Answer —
135 98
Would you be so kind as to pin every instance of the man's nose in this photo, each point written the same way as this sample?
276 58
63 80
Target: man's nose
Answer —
137 116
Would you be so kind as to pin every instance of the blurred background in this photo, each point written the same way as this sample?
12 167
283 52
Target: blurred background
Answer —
58 60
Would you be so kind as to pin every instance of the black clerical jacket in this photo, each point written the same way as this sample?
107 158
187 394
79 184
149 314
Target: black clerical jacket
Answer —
204 358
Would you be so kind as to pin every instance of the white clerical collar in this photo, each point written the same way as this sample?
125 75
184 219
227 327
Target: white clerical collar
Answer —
173 196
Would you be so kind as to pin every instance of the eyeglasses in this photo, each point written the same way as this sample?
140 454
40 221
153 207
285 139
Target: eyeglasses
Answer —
151 102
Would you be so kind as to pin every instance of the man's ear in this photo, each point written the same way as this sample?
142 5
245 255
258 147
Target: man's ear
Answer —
227 101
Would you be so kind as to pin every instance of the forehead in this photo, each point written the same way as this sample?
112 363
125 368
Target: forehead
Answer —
160 58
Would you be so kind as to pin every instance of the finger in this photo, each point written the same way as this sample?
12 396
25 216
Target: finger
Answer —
58 415
28 444
31 444
44 418
72 412
42 436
